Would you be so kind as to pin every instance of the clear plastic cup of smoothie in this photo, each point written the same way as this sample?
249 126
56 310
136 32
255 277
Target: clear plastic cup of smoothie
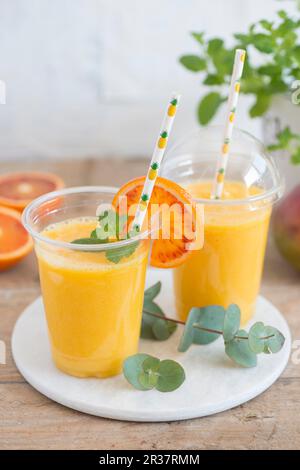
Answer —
92 296
228 268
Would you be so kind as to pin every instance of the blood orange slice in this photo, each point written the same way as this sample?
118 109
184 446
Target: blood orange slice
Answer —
174 250
15 242
19 189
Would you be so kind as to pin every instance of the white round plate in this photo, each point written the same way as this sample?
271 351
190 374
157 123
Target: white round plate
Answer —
213 382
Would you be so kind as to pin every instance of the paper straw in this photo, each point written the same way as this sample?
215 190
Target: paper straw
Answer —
218 183
156 159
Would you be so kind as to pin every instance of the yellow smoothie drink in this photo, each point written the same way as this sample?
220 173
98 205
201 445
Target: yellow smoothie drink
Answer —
93 306
229 266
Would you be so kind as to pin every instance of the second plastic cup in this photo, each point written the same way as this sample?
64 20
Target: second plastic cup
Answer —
92 296
228 268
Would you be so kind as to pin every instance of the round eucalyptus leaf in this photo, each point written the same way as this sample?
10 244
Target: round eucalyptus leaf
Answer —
148 376
276 342
146 327
232 321
132 368
256 334
149 320
151 364
239 351
147 381
171 376
152 291
211 317
187 337
163 329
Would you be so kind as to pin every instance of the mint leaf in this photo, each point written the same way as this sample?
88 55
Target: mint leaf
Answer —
193 63
199 37
88 241
261 105
208 107
116 254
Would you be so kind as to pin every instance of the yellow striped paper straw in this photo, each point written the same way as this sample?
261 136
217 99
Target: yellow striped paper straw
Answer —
156 159
218 183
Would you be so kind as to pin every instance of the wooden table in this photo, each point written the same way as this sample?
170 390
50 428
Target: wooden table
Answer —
28 420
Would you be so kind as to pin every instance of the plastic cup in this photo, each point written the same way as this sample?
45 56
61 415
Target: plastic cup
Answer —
228 268
93 305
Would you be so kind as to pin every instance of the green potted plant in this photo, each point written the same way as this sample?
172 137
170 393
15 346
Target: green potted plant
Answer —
272 78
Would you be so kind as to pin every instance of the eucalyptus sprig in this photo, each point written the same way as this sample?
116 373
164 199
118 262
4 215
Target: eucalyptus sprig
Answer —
154 323
277 45
203 326
146 372
111 227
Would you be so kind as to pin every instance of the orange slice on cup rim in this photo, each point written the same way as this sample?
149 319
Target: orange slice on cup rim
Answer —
172 251
15 242
18 189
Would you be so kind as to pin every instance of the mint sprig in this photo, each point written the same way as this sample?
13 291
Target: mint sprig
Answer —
112 227
277 45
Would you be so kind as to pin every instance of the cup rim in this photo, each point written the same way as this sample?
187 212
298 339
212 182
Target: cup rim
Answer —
68 245
269 196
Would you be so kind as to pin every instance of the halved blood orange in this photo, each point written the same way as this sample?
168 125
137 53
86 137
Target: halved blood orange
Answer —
15 242
173 251
19 189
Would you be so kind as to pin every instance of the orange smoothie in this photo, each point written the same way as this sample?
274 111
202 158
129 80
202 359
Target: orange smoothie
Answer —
229 266
93 306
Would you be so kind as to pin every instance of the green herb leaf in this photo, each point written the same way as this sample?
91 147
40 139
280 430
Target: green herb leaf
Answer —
263 43
152 291
214 46
208 107
149 376
231 322
149 320
116 254
276 341
146 372
239 351
163 329
256 333
295 156
193 63
213 79
199 37
133 368
171 376
211 318
262 104
187 338
153 327
88 241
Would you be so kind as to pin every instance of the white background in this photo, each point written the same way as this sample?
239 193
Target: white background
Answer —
92 77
